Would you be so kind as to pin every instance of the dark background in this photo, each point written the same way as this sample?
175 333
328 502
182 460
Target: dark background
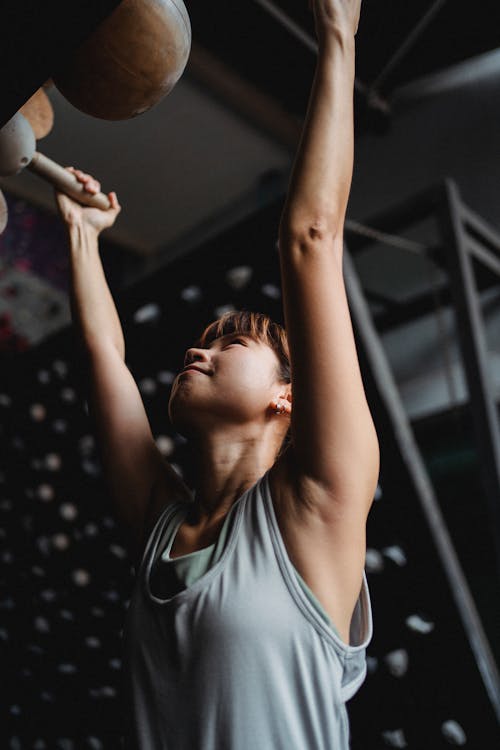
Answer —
65 575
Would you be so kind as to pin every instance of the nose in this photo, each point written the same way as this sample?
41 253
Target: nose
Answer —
195 355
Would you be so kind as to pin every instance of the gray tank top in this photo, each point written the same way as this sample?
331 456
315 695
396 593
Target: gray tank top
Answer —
172 574
240 657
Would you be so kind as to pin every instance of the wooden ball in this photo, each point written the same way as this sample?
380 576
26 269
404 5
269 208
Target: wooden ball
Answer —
133 59
39 113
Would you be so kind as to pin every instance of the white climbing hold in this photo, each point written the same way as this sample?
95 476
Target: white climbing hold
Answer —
453 733
397 662
396 554
419 625
374 561
395 738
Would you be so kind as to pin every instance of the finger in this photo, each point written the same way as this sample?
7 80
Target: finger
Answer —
90 183
80 176
92 186
83 177
114 201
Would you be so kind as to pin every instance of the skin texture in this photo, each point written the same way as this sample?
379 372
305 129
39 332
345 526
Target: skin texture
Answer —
323 484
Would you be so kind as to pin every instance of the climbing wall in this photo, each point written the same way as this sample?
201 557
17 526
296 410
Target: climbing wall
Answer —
66 576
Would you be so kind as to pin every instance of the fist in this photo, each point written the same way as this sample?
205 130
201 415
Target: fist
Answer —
335 16
73 213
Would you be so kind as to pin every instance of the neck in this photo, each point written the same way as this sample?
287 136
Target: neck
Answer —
226 464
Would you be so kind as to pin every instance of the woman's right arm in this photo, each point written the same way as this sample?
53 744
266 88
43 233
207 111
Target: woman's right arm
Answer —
136 473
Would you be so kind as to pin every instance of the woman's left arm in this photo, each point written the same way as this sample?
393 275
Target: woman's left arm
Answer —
334 442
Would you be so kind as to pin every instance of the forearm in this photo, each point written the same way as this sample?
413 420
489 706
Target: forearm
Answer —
92 306
321 177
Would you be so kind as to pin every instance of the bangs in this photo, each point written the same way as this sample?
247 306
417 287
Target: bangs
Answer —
256 326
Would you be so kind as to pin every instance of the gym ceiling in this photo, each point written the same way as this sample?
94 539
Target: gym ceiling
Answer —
256 38
235 116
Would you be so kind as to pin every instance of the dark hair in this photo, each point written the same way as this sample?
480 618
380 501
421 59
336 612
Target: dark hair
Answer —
257 326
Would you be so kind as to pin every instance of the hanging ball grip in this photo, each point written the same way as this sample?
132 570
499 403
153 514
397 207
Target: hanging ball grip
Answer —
18 151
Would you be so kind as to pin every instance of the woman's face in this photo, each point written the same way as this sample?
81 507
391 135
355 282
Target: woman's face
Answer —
234 380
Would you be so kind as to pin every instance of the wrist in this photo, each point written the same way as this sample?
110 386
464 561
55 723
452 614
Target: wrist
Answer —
81 233
336 39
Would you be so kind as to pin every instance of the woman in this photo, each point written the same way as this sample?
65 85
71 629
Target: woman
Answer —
250 615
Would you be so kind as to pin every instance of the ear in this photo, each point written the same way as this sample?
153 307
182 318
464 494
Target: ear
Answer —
282 404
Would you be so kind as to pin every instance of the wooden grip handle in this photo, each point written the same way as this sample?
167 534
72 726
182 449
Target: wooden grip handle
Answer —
66 182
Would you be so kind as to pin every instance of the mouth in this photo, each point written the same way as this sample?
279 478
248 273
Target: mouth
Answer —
193 368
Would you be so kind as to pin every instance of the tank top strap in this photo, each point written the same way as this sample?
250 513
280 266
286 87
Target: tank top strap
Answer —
361 623
161 523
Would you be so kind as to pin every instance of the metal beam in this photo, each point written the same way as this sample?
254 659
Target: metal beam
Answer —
298 32
480 227
483 255
473 344
407 44
408 212
411 459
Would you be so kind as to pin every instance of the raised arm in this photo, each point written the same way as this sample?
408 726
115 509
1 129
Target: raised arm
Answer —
134 468
334 439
